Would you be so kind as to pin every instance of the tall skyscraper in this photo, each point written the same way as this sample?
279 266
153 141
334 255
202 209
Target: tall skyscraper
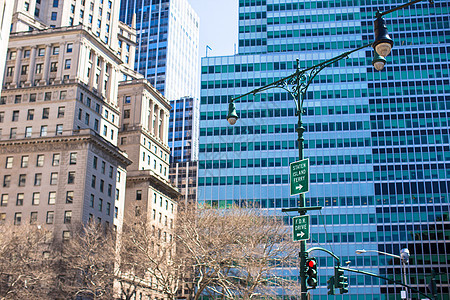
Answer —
377 142
167 49
167 55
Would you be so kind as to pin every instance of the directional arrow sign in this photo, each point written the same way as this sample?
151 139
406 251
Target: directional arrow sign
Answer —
301 228
300 177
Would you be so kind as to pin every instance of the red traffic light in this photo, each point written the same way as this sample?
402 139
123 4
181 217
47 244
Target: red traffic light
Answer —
311 263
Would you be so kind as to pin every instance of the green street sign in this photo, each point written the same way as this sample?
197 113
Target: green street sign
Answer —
301 228
300 177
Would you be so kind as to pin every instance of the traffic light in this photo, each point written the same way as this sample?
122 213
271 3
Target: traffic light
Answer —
311 272
341 282
330 283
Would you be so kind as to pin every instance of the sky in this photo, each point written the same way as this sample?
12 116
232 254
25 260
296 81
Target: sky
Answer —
218 26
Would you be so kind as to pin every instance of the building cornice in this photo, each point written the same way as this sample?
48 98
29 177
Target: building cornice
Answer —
155 181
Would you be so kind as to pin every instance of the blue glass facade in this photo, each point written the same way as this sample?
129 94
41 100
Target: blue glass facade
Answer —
378 142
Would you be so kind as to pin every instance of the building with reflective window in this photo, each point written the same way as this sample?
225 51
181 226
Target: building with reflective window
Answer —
167 55
377 142
167 49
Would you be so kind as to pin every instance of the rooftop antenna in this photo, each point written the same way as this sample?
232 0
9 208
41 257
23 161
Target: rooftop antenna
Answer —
207 47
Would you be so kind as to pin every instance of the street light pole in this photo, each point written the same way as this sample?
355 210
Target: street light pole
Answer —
403 257
297 84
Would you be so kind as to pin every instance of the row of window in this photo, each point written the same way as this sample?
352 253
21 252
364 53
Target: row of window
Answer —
37 181
39 68
100 205
33 96
40 52
56 158
36 198
29 131
31 112
49 219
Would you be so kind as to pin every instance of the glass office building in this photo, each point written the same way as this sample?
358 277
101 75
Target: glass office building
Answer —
377 142
167 50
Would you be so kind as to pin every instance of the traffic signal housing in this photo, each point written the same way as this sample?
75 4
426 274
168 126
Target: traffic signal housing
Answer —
330 285
311 272
341 282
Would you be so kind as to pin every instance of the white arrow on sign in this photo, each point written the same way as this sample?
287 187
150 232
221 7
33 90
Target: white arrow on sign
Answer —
299 187
301 234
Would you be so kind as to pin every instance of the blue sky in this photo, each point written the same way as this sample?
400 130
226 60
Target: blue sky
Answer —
218 25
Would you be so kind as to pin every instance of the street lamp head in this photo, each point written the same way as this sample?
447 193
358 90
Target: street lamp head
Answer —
404 255
378 62
232 116
360 251
383 42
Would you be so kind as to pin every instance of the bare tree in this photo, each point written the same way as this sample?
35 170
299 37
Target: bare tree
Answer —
147 259
236 253
86 265
25 267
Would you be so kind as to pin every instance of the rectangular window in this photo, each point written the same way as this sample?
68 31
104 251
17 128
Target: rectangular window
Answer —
67 64
61 111
24 161
138 195
38 69
69 197
53 66
10 71
45 113
111 171
33 217
19 199
54 16
63 94
32 97
9 162
51 198
24 70
18 99
66 235
91 203
41 51
102 185
13 133
93 181
67 217
108 208
22 179
4 200
50 217
47 96
43 131
59 129
69 47
2 116
73 158
54 178
6 180
37 179
30 115
56 158
15 116
40 160
36 198
100 204
86 119
71 177
18 218
28 131
94 162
